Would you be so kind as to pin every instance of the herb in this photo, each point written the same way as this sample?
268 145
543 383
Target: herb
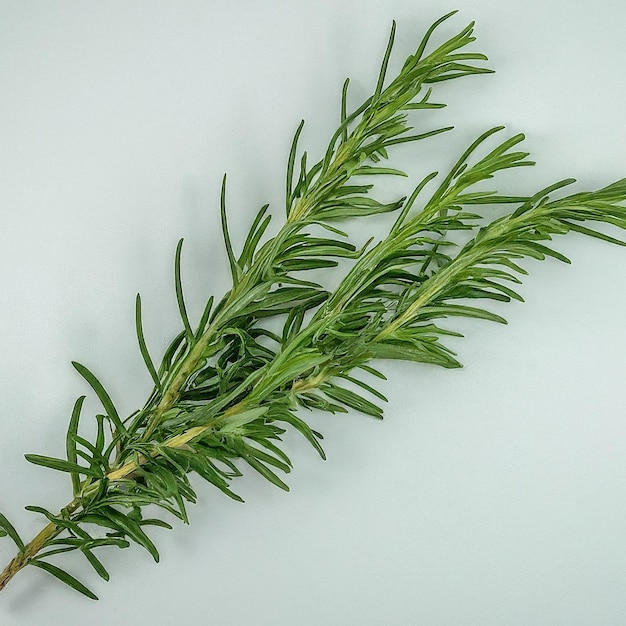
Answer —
279 340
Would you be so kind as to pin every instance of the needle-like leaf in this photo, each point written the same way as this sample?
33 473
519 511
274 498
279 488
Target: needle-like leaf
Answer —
9 530
64 577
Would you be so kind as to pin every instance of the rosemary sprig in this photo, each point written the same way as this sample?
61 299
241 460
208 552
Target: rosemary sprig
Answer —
226 389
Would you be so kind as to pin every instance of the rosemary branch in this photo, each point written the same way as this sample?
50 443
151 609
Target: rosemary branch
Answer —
227 387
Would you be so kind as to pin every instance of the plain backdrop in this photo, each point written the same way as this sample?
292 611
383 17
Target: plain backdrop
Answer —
490 495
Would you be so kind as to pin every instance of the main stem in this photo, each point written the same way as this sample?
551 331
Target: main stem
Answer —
23 557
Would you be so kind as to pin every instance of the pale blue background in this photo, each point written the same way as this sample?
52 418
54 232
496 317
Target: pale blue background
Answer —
493 495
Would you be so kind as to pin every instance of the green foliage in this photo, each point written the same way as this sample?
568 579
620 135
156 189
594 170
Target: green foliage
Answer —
8 530
64 577
225 391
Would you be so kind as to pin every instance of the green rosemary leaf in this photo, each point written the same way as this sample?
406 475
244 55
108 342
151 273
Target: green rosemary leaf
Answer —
274 449
100 436
64 577
143 348
266 472
293 324
61 521
109 517
95 562
290 164
460 310
352 400
542 195
344 111
410 138
370 170
155 522
179 294
234 266
385 62
70 442
594 233
176 346
89 543
357 207
257 230
103 396
49 553
9 530
251 452
94 453
364 385
207 470
315 401
299 265
61 465
542 251
285 415
235 423
206 313
429 33
419 352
